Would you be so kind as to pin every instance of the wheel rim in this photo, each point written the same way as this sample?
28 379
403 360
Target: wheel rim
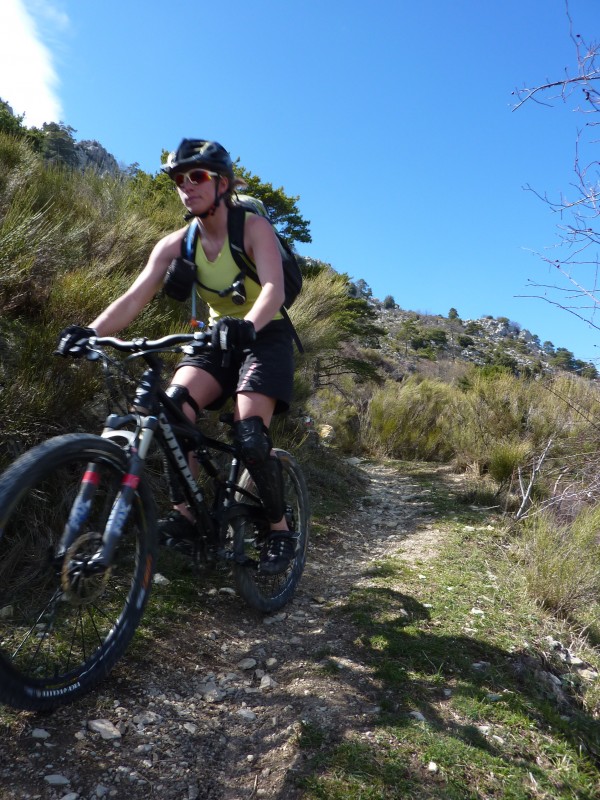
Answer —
56 624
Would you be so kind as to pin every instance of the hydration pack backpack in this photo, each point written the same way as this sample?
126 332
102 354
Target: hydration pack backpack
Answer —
292 276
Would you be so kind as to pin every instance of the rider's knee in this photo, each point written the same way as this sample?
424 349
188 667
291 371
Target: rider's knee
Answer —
253 439
181 397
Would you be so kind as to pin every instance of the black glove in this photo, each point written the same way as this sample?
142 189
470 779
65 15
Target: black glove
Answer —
231 333
73 340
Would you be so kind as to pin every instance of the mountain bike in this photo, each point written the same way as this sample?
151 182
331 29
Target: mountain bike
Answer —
78 530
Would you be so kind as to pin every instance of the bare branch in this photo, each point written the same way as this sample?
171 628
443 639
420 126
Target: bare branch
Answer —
525 94
560 305
588 73
578 231
536 467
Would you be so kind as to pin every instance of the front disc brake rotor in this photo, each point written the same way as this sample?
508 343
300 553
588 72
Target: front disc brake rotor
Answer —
80 584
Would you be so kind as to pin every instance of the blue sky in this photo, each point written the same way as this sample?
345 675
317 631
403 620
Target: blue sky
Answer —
391 120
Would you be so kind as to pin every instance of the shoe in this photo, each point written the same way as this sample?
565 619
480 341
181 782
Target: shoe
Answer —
281 547
176 531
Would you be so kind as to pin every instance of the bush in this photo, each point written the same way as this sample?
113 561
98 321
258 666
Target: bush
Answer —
437 336
505 458
412 421
560 562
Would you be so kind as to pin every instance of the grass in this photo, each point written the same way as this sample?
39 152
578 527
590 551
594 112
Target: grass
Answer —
560 562
459 654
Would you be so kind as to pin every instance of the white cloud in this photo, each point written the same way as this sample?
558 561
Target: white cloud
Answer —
50 13
28 79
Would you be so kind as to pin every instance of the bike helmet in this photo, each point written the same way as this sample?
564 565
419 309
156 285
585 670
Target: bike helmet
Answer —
199 153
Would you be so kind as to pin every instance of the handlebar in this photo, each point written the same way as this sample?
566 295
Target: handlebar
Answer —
195 341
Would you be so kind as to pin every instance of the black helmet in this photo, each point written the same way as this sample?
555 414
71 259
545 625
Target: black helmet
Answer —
199 153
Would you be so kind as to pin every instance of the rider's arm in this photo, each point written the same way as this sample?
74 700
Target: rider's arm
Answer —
126 307
261 245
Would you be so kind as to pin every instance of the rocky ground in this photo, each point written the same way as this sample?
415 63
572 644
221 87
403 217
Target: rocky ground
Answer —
218 710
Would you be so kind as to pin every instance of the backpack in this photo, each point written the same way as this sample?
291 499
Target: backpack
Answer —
292 276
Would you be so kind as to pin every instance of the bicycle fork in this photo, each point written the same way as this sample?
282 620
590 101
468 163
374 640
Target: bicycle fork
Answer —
121 507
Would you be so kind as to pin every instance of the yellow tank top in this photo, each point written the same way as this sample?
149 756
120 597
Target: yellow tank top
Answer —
218 275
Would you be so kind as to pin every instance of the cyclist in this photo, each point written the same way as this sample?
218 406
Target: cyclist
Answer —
258 370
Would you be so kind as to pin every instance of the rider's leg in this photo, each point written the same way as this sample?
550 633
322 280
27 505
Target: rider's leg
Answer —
252 416
202 386
191 389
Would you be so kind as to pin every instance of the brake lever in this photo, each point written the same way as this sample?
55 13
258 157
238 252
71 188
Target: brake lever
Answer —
193 349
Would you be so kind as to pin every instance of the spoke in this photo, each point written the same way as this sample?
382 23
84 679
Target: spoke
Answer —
71 648
93 621
28 635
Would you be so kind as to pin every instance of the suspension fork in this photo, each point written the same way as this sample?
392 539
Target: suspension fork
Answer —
80 509
122 504
124 500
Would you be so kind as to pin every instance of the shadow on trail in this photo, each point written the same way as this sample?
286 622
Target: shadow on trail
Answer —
414 677
360 675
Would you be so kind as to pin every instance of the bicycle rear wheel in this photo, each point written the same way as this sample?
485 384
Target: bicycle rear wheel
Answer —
271 592
61 628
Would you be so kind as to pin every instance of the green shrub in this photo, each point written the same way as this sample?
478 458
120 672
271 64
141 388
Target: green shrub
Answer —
505 458
560 562
412 420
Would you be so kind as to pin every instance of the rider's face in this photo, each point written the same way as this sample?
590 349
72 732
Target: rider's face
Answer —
198 195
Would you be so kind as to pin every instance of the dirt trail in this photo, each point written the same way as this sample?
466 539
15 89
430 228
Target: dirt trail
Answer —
216 712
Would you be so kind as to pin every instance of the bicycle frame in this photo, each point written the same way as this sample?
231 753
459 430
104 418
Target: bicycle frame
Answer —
159 417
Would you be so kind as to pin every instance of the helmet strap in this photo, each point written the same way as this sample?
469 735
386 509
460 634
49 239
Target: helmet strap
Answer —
218 197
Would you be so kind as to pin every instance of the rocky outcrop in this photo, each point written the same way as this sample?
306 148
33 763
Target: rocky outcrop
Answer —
91 155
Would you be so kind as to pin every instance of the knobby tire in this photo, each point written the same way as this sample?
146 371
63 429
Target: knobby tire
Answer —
58 640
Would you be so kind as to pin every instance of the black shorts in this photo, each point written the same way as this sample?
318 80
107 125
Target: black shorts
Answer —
267 368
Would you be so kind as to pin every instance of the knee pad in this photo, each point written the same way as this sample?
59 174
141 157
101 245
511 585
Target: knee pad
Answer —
253 439
180 395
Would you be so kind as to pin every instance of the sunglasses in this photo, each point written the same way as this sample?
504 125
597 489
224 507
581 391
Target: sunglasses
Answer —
195 176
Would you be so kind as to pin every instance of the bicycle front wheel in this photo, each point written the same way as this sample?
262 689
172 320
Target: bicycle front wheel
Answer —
63 628
271 592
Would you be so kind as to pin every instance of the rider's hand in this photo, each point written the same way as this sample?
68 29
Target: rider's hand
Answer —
73 340
231 333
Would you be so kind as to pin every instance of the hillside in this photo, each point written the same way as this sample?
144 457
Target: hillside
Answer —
412 337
